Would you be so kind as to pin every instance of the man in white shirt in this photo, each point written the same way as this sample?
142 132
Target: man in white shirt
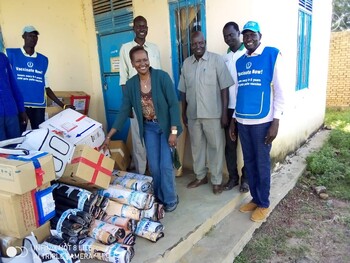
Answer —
126 72
235 49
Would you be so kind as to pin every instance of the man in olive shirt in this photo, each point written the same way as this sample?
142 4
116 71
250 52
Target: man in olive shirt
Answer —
204 86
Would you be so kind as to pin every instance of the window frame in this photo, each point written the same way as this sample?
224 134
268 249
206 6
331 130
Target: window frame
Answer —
304 44
177 60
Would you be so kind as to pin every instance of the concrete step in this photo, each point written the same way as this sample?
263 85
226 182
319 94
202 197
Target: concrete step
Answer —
227 239
198 211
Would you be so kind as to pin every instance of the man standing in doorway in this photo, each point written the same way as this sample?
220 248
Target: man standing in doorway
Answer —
259 107
126 72
30 69
235 49
204 86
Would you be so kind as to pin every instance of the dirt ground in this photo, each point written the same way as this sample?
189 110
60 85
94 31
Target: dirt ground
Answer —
303 228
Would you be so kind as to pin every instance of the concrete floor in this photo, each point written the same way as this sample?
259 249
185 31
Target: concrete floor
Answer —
209 228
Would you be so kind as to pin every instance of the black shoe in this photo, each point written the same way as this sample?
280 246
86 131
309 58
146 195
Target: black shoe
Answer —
244 188
172 207
230 184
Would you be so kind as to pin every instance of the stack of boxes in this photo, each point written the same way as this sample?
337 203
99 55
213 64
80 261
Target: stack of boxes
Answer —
79 99
65 148
26 200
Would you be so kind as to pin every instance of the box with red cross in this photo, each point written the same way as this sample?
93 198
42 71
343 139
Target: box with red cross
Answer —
88 169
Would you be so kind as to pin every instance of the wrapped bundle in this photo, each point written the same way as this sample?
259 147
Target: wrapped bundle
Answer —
100 207
74 197
69 231
124 222
53 249
56 241
151 230
155 213
129 239
105 232
110 253
71 225
127 196
133 175
128 224
136 182
118 209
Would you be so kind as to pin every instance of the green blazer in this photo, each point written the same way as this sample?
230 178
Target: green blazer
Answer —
166 104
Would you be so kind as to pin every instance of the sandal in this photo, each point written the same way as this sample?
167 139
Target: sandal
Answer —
230 184
244 188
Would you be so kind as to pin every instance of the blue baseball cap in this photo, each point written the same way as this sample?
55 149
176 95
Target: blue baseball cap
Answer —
251 26
29 29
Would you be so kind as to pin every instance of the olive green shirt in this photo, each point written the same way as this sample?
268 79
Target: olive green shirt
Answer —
202 81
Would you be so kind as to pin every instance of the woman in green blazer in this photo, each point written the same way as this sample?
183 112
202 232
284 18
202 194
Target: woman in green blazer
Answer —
152 95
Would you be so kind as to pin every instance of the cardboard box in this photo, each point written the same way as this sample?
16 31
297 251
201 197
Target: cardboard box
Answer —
19 213
88 169
76 128
79 99
41 233
120 154
48 141
21 174
52 111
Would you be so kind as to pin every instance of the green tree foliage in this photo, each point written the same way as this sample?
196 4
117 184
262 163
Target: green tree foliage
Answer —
341 15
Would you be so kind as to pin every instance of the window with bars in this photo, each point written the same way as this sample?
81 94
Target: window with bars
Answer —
304 40
186 16
112 15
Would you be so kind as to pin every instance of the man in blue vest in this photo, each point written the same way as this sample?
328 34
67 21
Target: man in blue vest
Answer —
30 69
259 106
11 102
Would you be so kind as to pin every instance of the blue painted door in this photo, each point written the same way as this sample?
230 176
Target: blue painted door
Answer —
113 22
109 46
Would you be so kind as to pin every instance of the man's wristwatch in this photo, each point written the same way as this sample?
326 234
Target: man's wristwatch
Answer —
174 132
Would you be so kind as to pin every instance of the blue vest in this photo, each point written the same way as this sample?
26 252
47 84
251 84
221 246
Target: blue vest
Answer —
254 84
29 73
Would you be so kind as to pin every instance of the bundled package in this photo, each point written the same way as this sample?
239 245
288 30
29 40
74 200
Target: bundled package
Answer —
133 181
151 230
127 196
105 232
115 208
110 253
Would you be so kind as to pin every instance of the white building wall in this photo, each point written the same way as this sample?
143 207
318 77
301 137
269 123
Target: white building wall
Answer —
67 37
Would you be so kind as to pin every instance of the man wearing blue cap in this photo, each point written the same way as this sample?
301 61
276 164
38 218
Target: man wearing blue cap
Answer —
259 106
30 69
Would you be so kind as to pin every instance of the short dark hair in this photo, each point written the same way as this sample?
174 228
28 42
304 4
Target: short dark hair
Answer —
231 23
139 18
135 49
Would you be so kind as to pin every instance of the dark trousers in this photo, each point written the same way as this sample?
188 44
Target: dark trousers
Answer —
257 163
231 154
9 127
36 116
